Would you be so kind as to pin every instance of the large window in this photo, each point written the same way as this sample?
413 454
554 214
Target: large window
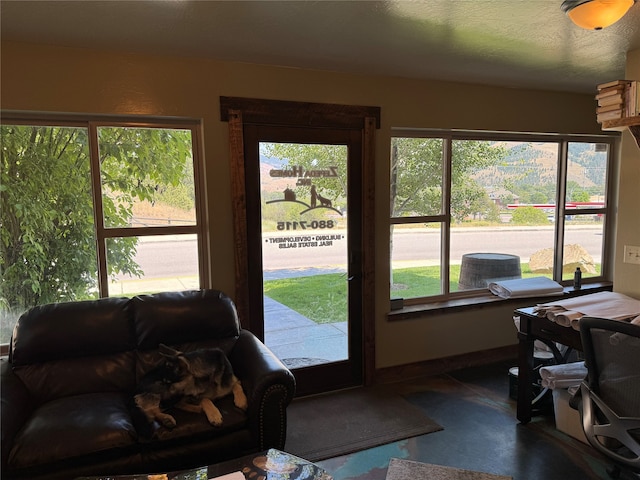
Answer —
468 208
93 209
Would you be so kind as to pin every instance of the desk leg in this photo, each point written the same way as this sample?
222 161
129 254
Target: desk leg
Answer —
525 377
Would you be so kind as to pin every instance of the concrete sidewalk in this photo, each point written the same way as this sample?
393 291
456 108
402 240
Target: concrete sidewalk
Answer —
298 341
295 339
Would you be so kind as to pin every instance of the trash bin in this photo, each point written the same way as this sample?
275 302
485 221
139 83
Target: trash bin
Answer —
542 398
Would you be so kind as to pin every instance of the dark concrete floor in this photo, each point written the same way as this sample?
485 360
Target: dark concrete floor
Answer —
480 433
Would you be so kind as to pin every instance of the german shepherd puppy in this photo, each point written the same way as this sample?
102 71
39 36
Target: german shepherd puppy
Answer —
190 381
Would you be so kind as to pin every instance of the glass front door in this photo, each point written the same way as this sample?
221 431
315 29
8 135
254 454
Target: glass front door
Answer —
308 274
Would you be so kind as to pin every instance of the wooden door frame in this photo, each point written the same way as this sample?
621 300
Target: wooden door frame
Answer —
238 111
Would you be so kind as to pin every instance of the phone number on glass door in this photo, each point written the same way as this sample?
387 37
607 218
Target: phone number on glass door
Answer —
304 225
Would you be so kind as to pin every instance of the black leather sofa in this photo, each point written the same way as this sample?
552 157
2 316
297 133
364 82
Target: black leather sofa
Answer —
67 386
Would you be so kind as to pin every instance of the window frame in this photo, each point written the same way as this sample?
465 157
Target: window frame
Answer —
102 233
448 136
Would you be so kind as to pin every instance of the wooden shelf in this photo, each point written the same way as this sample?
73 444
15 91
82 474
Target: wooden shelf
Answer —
632 123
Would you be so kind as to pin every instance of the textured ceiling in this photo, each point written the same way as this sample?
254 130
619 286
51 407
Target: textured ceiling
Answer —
513 43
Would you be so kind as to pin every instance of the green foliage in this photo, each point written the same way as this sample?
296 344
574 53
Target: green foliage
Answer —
575 193
416 176
493 214
531 193
47 251
48 242
580 196
547 193
529 216
314 157
417 172
139 164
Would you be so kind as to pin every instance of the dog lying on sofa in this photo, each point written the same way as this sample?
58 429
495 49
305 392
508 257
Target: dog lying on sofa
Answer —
191 382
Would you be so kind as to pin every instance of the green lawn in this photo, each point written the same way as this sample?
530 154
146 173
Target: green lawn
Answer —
323 298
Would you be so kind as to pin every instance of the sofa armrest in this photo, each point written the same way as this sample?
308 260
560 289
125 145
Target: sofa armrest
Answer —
16 405
269 387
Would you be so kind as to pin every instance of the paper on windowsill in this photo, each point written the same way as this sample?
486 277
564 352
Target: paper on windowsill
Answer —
525 287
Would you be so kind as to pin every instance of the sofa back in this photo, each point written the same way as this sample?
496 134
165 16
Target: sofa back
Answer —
191 317
75 347
186 321
106 345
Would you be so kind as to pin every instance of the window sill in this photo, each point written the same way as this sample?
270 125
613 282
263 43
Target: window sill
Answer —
480 301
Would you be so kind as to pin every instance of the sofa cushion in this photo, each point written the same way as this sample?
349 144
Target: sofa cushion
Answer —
190 425
99 422
76 376
175 318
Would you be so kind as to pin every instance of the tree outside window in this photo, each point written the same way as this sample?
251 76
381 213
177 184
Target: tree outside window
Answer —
51 239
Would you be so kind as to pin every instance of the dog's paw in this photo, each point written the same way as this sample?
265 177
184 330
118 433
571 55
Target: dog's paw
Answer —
241 402
239 397
211 411
215 419
168 421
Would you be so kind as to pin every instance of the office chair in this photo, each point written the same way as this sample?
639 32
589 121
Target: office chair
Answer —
609 397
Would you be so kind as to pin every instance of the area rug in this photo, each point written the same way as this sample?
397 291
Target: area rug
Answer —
408 470
348 421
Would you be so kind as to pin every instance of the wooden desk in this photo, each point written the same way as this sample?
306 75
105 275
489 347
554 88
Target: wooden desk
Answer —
532 328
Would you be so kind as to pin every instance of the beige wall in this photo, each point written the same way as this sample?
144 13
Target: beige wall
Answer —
627 275
72 80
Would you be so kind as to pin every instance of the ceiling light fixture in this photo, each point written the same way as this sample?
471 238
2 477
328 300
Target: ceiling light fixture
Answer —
596 14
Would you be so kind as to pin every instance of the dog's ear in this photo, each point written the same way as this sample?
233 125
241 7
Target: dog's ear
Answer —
185 362
168 351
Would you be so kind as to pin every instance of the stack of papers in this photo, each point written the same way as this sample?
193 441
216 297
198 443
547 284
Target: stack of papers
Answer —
568 312
563 376
525 287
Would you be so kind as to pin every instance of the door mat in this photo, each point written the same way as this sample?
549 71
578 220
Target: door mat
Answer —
339 423
300 362
408 470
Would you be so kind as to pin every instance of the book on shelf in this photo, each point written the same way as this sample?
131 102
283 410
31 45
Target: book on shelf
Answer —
610 108
612 84
617 99
610 92
612 115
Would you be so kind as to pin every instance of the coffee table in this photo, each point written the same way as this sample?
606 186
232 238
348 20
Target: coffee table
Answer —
268 465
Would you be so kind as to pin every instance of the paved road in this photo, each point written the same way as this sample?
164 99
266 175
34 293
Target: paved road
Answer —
166 256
